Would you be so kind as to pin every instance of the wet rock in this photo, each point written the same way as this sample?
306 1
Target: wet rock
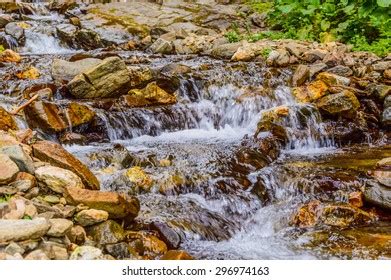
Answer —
91 217
70 138
119 250
116 205
15 30
108 232
17 230
176 255
151 95
356 199
168 235
175 69
8 169
7 122
379 91
377 194
57 179
46 116
88 39
29 73
343 104
59 227
336 215
138 179
140 76
301 75
63 70
56 155
67 33
20 157
161 46
86 253
77 235
79 114
107 79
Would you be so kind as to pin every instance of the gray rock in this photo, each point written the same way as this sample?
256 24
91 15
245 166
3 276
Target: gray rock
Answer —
386 117
4 20
13 248
19 156
225 50
15 31
63 70
107 79
119 250
301 75
8 169
17 230
377 194
161 46
341 70
67 33
108 232
382 65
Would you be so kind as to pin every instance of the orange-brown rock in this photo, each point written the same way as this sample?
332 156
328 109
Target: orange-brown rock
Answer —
9 56
45 115
356 199
56 155
177 255
113 203
31 73
7 122
311 92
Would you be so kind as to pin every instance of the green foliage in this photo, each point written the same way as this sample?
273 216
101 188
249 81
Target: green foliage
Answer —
233 36
366 24
5 198
265 52
1 48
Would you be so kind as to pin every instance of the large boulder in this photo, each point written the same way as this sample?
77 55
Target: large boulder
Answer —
8 169
343 104
7 122
63 70
113 203
18 230
107 79
56 155
57 179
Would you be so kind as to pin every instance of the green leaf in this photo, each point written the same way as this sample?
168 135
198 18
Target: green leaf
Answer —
384 3
325 25
287 8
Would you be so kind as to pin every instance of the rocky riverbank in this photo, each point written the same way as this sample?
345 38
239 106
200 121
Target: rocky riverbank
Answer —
139 132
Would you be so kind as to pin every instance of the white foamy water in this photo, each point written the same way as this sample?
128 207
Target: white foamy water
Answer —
40 43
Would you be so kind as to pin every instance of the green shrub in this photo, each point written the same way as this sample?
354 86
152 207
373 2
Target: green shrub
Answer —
363 23
233 36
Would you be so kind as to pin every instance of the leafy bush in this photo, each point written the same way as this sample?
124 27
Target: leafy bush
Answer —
366 24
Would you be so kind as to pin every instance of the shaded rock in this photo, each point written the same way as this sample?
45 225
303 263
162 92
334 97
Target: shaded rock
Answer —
279 58
8 169
67 33
176 255
382 65
301 75
386 117
17 230
70 138
108 232
54 250
317 68
377 194
7 122
341 71
63 70
140 76
107 79
153 246
19 156
56 155
379 91
119 250
4 20
88 39
343 104
86 253
168 235
313 55
59 227
91 217
57 179
116 205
